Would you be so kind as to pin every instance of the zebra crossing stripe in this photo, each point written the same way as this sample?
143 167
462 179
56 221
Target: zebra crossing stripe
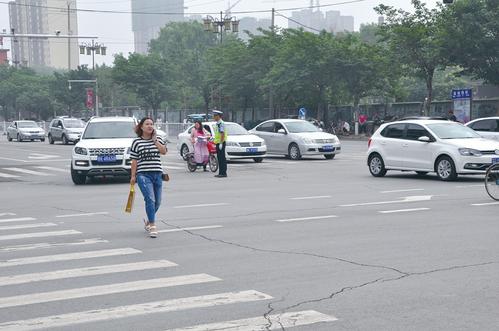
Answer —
92 291
69 256
114 313
279 322
84 272
39 235
19 219
15 248
7 214
4 175
29 172
192 228
53 169
26 226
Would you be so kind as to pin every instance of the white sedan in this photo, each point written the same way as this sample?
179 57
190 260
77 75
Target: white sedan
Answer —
487 127
240 143
447 148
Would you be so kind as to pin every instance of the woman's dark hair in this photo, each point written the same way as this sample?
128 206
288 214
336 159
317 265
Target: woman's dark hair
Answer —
200 130
138 127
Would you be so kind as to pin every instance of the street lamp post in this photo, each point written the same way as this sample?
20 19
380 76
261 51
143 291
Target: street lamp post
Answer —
219 26
70 81
92 49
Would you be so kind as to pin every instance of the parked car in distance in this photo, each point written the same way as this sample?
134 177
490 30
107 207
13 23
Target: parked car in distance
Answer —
191 118
65 129
25 130
487 127
240 143
445 147
296 138
103 149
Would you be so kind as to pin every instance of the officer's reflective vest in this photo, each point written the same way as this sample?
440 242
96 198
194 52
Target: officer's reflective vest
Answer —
218 135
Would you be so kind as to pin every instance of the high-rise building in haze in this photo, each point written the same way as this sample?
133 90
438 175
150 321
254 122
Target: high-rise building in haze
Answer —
147 26
44 17
313 20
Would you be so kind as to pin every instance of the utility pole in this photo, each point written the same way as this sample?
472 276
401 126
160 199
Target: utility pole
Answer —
271 88
69 33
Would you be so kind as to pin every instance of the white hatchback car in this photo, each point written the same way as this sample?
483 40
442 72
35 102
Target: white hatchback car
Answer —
447 148
240 143
487 127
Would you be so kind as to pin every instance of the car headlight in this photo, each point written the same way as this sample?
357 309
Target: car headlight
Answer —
81 151
307 141
469 152
263 143
232 144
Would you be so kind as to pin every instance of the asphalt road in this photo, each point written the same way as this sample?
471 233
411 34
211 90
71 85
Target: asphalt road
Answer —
307 245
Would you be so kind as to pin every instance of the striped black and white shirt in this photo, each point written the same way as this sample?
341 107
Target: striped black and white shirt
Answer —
147 154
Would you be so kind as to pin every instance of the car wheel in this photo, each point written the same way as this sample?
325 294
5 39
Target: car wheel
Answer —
8 137
64 140
77 178
258 159
51 140
184 150
42 140
329 156
294 152
18 137
445 168
376 165
422 173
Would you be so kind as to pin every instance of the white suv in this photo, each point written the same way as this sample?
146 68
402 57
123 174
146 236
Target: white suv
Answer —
103 149
445 147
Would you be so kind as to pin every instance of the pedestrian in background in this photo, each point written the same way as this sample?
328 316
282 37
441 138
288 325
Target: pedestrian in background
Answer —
220 141
451 116
199 139
147 171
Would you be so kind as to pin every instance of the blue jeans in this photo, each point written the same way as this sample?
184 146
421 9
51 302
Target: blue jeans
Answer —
150 184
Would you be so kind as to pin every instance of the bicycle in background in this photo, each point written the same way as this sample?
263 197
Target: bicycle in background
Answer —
492 179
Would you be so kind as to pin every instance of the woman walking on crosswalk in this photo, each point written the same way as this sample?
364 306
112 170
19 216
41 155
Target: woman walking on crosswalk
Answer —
147 171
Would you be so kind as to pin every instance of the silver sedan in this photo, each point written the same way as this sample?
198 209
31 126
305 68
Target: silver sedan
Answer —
25 130
296 138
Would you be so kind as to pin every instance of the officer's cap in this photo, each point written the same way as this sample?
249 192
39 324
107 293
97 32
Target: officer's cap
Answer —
217 112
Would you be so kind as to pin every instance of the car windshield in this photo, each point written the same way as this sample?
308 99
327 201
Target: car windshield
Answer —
452 131
234 129
109 130
27 125
74 123
301 126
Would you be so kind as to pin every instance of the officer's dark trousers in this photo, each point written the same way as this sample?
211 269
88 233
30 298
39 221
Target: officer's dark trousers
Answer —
222 162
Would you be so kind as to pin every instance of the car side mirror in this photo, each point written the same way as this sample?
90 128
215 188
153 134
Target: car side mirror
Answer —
282 131
424 139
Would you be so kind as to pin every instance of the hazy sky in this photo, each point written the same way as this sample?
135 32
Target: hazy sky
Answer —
114 30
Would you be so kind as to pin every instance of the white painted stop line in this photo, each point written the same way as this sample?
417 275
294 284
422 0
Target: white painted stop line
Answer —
279 322
165 306
84 272
69 256
92 291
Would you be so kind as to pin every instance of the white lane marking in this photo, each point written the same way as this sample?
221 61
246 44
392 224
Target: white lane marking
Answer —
83 214
39 234
402 210
106 314
4 175
29 172
7 214
485 204
26 226
84 272
279 322
416 198
15 248
10 159
312 197
19 219
93 291
406 190
174 167
38 156
53 169
469 186
192 228
68 256
306 218
202 205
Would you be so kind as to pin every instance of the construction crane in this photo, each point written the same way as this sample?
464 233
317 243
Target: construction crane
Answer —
229 7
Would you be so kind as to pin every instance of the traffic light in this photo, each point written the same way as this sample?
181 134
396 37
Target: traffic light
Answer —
448 2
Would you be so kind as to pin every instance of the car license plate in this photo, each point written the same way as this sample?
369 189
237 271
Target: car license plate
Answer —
251 150
106 158
495 160
328 147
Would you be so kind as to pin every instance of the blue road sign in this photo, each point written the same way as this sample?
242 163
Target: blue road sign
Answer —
461 94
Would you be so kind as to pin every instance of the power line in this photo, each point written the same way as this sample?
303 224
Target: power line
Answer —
190 13
295 21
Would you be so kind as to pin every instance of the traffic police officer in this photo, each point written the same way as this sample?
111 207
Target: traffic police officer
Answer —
220 141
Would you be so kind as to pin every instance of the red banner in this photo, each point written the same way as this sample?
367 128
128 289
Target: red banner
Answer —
90 98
